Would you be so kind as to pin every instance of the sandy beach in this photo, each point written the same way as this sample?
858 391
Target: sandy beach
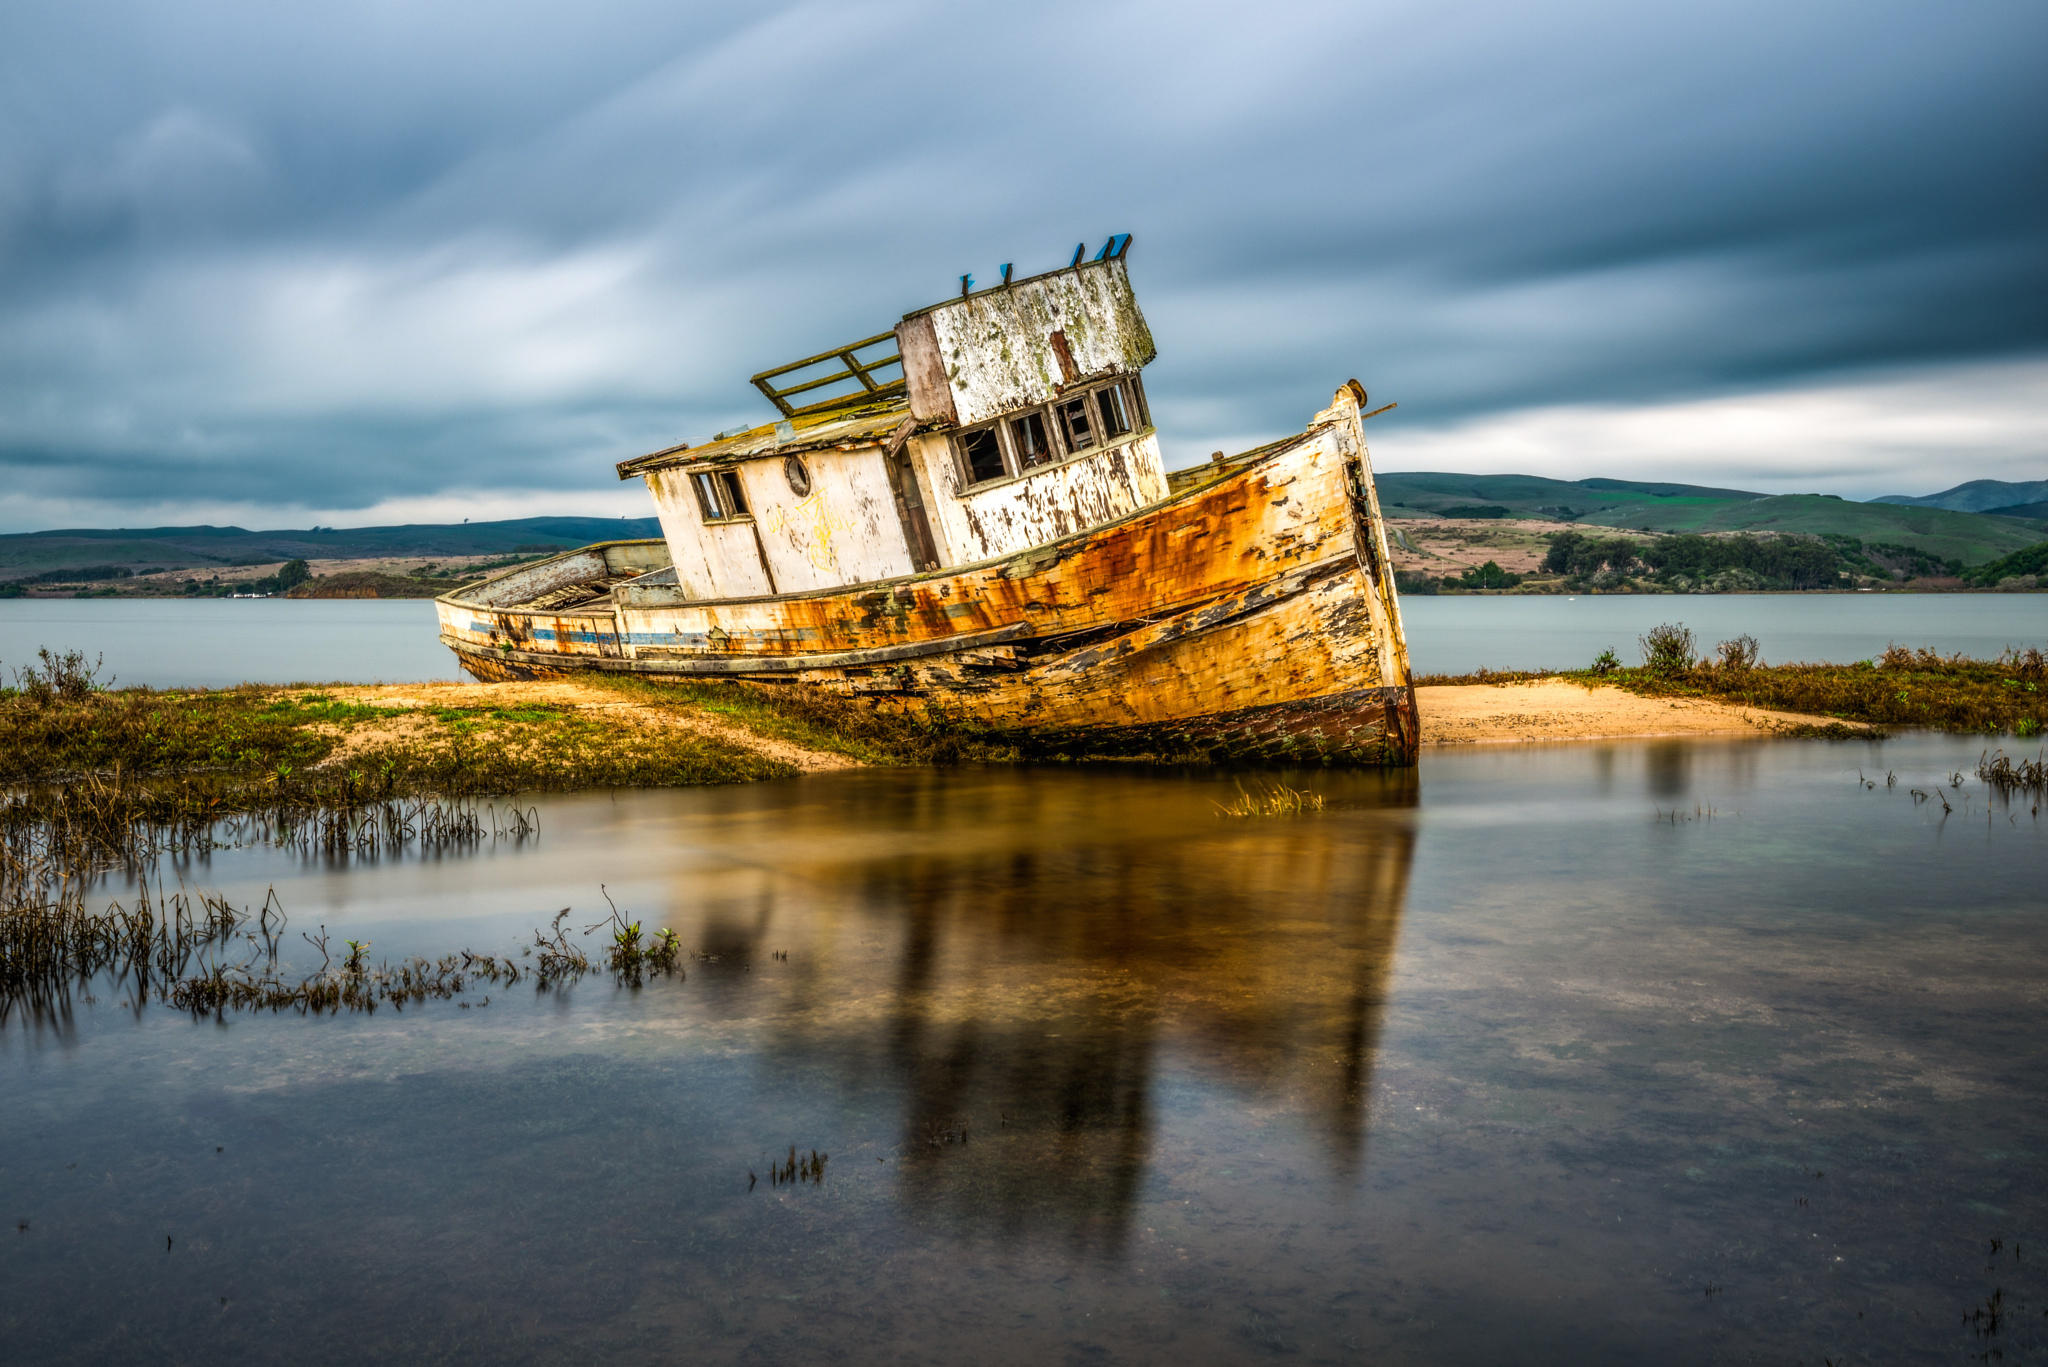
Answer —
1560 710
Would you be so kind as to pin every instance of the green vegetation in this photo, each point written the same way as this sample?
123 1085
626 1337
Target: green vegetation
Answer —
1488 576
1969 538
1589 500
84 574
817 720
244 749
2029 564
1795 562
1946 535
201 954
371 584
1736 563
1667 650
251 745
1579 556
1900 688
210 549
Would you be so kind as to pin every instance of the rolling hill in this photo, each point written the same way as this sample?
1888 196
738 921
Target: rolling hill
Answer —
1972 538
25 553
1978 496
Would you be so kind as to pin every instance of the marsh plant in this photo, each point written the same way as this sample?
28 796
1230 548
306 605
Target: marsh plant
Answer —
631 953
1739 654
1272 799
62 677
1668 649
2007 776
198 953
1902 686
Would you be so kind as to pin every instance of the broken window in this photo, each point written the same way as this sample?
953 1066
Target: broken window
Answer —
719 496
1077 423
1025 441
1116 418
1032 442
982 454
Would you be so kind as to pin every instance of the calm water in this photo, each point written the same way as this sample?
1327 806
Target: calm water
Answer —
1458 635
1521 1058
217 642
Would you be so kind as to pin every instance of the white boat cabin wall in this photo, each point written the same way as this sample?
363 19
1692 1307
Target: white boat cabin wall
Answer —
1001 420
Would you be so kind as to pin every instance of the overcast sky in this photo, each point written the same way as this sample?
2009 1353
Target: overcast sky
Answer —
349 263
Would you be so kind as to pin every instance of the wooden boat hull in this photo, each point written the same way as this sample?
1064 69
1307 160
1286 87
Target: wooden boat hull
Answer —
1251 616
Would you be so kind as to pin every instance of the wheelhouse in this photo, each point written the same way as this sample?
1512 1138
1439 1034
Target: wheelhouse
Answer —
988 424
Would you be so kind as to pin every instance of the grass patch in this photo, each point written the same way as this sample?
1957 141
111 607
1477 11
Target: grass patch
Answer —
817 720
1484 676
143 731
1900 688
312 742
242 749
322 707
468 720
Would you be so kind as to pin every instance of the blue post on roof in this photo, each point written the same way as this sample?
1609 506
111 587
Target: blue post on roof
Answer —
1080 250
1113 248
1006 272
966 284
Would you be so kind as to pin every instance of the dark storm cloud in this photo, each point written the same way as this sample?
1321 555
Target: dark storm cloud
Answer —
329 259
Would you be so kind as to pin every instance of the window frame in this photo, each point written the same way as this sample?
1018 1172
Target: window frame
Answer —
1141 410
1085 401
1061 449
1104 437
968 479
723 484
1047 431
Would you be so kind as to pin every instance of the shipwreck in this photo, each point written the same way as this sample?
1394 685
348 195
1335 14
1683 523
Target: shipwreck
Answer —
969 516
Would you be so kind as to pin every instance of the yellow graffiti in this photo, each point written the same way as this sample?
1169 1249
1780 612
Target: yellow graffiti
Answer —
810 526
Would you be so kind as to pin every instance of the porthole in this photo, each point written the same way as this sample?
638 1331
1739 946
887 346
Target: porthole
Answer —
798 474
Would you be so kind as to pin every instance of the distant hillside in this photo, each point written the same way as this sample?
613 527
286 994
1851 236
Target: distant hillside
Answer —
24 554
1580 500
2032 512
1971 538
1977 496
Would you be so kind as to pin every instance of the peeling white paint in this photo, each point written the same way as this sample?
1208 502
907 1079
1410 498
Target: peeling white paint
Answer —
843 531
996 348
1039 505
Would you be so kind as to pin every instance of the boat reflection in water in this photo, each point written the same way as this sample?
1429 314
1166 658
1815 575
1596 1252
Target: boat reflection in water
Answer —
1021 962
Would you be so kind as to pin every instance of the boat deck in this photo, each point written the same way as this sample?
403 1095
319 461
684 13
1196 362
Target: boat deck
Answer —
589 593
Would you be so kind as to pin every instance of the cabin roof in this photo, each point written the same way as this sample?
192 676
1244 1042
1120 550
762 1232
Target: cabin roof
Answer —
868 418
1002 286
842 429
